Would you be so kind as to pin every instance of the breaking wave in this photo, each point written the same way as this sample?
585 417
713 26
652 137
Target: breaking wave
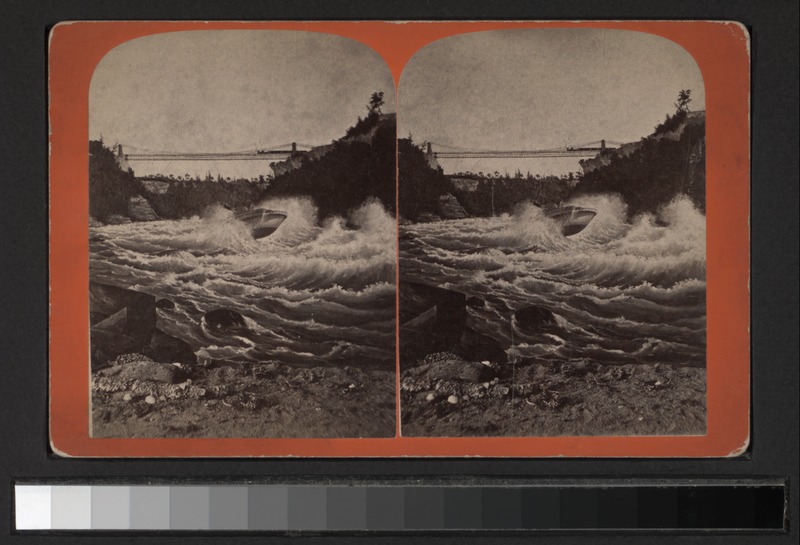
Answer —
314 293
625 282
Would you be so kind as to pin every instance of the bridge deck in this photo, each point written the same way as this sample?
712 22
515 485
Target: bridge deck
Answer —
518 154
248 156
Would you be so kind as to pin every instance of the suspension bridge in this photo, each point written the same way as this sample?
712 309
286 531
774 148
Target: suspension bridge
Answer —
589 149
272 153
434 150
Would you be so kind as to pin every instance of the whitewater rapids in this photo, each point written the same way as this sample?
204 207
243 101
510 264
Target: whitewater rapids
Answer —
621 292
310 294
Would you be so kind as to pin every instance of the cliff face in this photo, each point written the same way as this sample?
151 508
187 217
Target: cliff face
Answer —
420 186
426 194
116 196
604 159
672 129
483 197
364 131
186 198
341 176
110 187
139 209
279 168
650 173
450 208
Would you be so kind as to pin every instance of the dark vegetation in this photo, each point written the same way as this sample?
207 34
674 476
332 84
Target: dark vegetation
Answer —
351 173
110 187
359 167
661 168
420 186
510 191
671 123
363 126
186 198
665 164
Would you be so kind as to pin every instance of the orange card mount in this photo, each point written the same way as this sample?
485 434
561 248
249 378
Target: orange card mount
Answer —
373 319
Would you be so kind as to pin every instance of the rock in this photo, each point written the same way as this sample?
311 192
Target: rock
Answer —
117 219
430 397
145 370
150 400
125 359
477 346
155 187
107 345
534 320
475 302
577 368
445 366
138 320
122 321
432 319
127 397
453 400
449 208
168 349
116 323
427 217
223 319
165 304
534 372
139 209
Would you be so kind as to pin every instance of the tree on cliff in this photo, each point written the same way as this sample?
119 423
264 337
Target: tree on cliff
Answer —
375 102
363 126
684 98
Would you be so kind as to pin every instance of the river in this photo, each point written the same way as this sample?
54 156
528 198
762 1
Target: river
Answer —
310 294
621 292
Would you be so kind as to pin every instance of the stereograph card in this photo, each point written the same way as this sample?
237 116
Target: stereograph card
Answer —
374 239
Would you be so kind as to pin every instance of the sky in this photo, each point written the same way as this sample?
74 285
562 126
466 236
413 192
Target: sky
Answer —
202 91
541 89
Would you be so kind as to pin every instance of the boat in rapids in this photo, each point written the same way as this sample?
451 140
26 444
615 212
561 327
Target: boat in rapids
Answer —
261 221
571 219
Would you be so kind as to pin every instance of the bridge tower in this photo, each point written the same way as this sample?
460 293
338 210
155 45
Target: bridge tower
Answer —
431 158
122 161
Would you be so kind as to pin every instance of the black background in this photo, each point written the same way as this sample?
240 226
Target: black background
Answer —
23 309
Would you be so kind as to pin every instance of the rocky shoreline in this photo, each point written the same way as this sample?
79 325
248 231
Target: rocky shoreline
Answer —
456 382
446 396
146 383
137 397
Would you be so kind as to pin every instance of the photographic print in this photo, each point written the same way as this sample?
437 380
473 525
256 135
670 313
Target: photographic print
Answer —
399 239
242 237
552 204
